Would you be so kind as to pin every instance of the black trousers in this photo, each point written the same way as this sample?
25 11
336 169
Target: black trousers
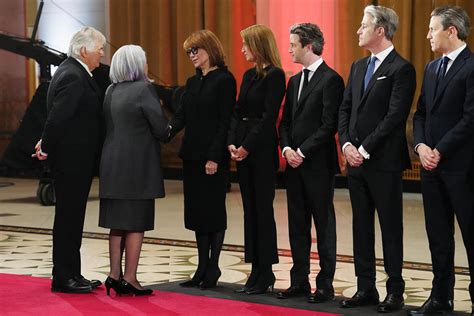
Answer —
257 177
72 185
370 190
444 196
310 196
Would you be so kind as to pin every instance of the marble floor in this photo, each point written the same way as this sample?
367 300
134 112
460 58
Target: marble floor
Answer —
169 252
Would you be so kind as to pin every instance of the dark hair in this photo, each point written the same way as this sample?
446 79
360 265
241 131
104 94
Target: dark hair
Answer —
454 16
309 33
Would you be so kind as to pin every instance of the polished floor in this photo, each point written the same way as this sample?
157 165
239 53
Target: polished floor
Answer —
169 252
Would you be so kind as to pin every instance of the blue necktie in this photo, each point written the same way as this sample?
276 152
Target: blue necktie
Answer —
441 71
370 71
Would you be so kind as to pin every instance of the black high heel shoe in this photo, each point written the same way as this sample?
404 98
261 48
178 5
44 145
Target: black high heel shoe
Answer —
210 280
128 288
111 283
251 281
262 285
195 280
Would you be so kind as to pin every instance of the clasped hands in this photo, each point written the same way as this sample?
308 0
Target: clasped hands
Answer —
237 154
293 158
353 156
429 157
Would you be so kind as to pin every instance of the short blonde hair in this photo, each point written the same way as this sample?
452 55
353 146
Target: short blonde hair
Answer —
262 43
208 41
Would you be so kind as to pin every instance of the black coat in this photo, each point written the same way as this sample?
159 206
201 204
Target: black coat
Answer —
445 120
310 123
376 118
204 112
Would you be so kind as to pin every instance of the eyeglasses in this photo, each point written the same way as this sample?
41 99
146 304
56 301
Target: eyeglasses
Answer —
192 50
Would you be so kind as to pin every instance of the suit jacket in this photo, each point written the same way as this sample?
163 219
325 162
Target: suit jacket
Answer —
310 123
376 118
130 164
204 111
444 118
74 112
255 115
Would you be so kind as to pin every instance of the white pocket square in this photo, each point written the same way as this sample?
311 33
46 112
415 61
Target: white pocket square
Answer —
381 78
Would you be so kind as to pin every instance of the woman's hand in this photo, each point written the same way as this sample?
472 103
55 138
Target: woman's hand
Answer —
211 167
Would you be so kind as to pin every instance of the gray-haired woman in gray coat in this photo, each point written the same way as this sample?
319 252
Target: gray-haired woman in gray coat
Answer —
130 172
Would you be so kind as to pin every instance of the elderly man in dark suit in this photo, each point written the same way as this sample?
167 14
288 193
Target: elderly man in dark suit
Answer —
372 121
307 138
443 128
70 142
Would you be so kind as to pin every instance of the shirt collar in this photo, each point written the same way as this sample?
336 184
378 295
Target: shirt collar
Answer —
314 66
84 65
455 53
383 54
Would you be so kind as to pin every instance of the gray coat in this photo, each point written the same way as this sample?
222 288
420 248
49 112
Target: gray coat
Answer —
130 163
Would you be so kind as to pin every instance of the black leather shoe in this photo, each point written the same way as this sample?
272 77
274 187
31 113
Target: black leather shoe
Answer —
391 303
321 296
262 285
362 298
432 306
70 286
127 288
93 283
294 291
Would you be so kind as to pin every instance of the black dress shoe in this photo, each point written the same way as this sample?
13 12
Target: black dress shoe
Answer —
211 278
70 286
127 288
433 306
362 298
321 296
391 303
294 291
93 283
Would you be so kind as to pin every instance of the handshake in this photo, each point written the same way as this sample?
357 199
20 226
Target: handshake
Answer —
237 154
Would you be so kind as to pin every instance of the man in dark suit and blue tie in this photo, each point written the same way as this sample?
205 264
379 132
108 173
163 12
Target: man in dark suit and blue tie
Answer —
307 132
372 120
443 128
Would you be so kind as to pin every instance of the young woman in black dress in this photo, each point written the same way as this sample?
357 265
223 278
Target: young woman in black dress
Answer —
204 111
253 143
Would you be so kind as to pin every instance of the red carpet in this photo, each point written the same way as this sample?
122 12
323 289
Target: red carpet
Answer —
24 295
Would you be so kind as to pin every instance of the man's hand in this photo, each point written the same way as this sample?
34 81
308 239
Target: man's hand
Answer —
294 160
38 153
240 154
211 167
429 158
353 157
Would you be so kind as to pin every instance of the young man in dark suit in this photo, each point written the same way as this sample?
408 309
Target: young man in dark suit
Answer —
372 120
307 140
443 128
70 142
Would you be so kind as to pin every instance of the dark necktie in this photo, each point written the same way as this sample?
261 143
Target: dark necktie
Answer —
305 78
370 71
442 70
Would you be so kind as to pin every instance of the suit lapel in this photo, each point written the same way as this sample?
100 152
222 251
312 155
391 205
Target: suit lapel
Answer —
358 80
295 86
315 79
86 75
384 66
453 70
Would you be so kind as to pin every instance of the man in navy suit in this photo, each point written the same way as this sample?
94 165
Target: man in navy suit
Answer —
443 128
372 121
307 132
71 143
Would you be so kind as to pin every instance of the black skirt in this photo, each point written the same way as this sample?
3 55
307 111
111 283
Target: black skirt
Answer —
204 197
131 215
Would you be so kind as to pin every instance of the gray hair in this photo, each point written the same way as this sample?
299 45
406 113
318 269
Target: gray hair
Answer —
309 33
454 16
383 17
128 64
88 37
